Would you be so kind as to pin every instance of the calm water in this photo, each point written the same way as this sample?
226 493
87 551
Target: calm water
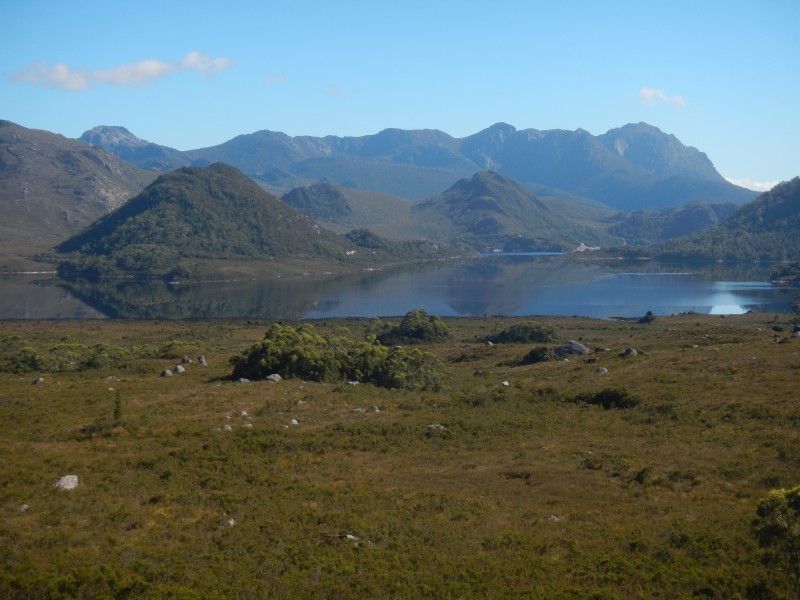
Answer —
491 285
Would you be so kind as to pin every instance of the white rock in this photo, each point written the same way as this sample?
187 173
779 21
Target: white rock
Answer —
505 384
67 482
293 422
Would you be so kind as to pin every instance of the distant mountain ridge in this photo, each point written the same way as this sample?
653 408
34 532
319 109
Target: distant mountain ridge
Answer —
634 167
648 228
143 154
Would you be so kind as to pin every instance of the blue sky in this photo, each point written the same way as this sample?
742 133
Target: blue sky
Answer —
723 76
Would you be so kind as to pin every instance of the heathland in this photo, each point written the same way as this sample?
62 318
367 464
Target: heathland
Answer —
608 475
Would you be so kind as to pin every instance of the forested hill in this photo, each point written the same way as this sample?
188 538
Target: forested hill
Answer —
214 212
767 229
491 211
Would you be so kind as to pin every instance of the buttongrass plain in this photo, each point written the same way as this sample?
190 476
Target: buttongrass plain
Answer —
533 484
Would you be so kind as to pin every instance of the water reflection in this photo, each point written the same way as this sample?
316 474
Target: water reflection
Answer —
492 285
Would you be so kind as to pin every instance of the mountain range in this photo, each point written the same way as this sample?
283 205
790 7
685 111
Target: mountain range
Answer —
634 167
86 199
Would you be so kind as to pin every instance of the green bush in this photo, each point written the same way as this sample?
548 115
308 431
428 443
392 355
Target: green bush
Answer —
523 333
537 355
609 398
302 352
177 349
417 327
18 356
777 529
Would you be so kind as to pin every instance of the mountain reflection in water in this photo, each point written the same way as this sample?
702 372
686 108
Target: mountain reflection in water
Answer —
489 285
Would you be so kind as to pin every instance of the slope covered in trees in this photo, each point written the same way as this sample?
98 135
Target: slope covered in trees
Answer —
212 213
767 229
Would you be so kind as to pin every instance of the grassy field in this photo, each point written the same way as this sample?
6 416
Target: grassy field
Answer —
196 486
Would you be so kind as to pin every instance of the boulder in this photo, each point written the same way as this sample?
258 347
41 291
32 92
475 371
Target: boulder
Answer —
274 377
244 380
629 352
38 381
179 369
201 360
166 373
67 482
572 348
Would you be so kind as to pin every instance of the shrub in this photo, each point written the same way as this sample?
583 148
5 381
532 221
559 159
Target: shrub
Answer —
649 317
537 355
302 352
18 356
524 333
176 349
417 327
777 529
609 398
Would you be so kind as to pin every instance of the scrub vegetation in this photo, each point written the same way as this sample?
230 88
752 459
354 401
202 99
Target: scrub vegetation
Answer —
671 473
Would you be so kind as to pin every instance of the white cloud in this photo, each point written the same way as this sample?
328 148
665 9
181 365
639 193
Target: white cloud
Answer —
649 95
65 77
756 186
333 90
276 78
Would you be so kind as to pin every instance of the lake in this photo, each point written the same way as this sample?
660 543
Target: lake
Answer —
509 285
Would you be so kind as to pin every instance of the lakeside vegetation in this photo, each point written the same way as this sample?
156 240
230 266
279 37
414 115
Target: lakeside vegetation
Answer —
552 479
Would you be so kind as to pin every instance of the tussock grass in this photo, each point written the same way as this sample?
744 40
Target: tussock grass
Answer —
527 490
